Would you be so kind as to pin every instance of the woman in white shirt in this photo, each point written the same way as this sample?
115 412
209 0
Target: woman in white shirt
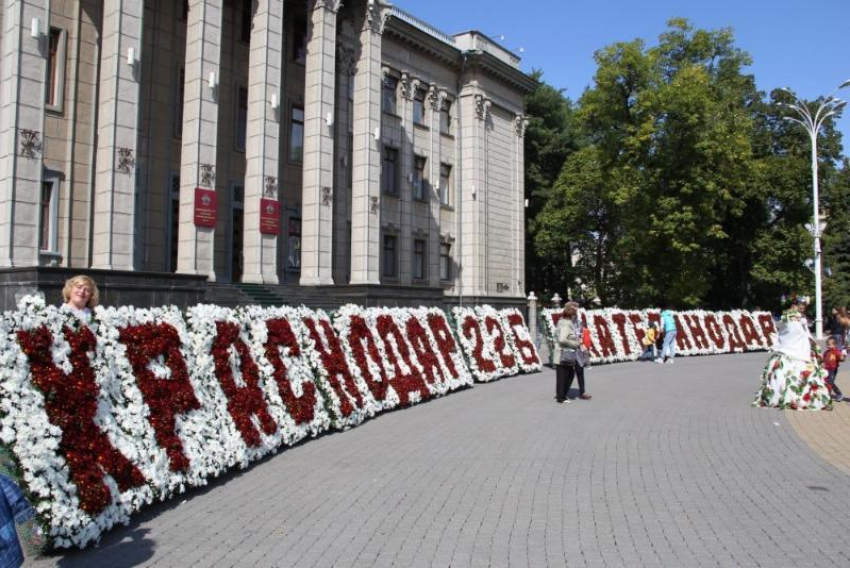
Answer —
81 296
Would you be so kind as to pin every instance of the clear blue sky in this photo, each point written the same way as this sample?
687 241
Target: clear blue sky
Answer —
560 36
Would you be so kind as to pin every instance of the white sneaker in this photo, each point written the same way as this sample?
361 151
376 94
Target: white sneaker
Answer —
669 361
659 361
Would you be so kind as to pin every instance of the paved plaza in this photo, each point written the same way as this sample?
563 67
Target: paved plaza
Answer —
666 466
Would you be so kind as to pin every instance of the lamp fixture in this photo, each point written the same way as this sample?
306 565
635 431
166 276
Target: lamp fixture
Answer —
329 118
212 81
377 133
35 28
131 56
274 102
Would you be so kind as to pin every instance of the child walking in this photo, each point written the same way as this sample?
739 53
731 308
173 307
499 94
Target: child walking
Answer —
832 358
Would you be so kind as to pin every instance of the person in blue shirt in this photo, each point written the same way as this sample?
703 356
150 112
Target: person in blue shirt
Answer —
668 326
14 508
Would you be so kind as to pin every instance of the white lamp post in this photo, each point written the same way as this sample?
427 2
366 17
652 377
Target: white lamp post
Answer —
830 106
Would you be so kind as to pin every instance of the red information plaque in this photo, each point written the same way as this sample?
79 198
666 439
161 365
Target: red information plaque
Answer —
205 207
269 216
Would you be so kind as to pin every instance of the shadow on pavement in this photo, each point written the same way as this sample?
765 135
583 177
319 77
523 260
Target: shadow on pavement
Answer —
129 547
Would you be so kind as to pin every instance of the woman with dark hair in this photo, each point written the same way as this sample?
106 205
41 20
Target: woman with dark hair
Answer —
569 355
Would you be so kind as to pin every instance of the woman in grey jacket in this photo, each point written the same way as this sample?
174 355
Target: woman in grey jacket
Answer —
567 338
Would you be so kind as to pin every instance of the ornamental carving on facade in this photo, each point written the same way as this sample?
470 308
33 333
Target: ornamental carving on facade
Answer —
126 161
30 143
482 107
433 97
207 175
521 124
332 5
376 16
374 206
347 60
412 87
327 196
271 187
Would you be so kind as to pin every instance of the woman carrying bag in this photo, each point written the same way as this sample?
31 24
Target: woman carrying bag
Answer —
569 355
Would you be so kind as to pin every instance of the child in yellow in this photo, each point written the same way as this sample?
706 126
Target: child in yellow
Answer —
649 342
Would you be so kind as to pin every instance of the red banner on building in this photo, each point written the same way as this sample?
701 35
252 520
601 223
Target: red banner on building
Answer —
269 216
206 205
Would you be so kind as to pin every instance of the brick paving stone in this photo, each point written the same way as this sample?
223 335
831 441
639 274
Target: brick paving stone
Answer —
666 466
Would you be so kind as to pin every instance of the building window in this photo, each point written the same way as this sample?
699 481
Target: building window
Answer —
419 107
419 259
419 178
390 256
388 101
299 43
174 222
293 256
55 91
178 104
245 22
446 117
389 172
296 135
241 118
445 181
445 261
48 213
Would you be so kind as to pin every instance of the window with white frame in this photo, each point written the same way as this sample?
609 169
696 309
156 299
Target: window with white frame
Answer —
445 183
389 172
390 256
419 256
296 135
446 117
49 216
419 178
54 93
389 102
445 261
419 107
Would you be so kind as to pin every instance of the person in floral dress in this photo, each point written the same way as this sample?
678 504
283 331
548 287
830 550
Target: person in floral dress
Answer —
794 377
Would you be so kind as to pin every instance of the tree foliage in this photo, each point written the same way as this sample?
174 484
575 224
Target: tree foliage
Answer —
686 185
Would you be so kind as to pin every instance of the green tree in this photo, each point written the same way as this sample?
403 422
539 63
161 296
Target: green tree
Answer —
550 137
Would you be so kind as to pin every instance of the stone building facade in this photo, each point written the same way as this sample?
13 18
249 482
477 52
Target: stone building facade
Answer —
170 148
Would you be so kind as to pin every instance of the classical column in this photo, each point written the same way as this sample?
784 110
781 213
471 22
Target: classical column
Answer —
476 112
317 198
407 89
436 98
117 136
22 73
520 124
262 148
366 193
196 242
342 179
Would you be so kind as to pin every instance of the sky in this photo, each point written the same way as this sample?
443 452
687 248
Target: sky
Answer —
788 45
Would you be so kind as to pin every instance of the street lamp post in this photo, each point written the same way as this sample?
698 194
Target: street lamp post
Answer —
812 123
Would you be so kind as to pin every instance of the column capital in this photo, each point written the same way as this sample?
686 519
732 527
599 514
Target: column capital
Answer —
347 57
330 5
437 96
376 16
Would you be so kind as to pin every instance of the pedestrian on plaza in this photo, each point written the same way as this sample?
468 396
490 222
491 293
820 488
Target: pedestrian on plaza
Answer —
81 296
841 326
794 377
569 355
14 509
668 326
649 339
832 358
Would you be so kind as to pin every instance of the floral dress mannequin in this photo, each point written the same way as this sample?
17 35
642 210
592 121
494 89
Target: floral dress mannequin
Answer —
794 377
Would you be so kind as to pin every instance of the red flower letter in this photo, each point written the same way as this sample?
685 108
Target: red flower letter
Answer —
445 340
404 384
166 398
500 345
71 405
333 359
281 335
242 402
